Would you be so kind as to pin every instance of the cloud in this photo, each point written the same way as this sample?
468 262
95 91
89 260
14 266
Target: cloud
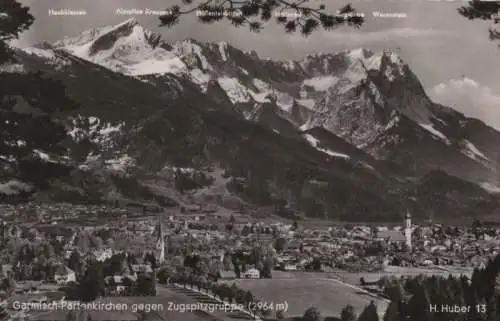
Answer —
470 98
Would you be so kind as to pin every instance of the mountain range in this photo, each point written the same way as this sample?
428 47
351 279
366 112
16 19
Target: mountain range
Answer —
350 135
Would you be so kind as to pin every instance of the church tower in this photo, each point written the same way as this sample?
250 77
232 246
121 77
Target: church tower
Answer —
408 231
160 242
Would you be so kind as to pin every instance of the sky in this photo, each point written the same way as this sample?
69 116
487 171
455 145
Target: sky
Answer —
452 56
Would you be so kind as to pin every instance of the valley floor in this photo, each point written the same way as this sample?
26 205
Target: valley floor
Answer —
303 290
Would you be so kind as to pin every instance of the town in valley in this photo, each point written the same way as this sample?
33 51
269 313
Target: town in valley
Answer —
198 263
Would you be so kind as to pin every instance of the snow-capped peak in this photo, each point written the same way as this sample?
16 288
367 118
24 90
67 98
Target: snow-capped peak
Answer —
89 42
385 61
126 47
131 22
131 49
368 58
360 53
193 51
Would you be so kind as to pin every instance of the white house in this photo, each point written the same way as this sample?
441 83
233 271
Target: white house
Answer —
252 274
64 275
103 255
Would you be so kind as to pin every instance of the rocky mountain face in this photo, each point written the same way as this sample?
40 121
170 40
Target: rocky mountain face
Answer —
349 135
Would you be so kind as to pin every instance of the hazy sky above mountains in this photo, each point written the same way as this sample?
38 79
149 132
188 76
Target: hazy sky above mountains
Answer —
452 56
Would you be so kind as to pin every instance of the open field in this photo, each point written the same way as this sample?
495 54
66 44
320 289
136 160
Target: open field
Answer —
331 291
390 271
328 295
398 271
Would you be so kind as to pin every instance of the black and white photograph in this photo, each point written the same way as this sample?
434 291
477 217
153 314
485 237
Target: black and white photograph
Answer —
230 160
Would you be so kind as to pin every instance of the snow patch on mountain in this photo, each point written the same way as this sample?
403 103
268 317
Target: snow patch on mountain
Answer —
304 127
285 102
320 83
167 64
48 55
308 103
222 50
436 133
236 92
44 156
367 166
491 188
266 93
262 86
472 151
316 144
260 97
200 78
263 93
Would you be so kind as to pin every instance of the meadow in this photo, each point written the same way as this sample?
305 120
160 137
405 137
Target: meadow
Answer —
330 296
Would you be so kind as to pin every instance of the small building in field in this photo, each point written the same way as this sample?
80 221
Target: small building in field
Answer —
251 274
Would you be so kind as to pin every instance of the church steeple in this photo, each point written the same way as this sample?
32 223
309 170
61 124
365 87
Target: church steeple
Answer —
160 242
408 230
